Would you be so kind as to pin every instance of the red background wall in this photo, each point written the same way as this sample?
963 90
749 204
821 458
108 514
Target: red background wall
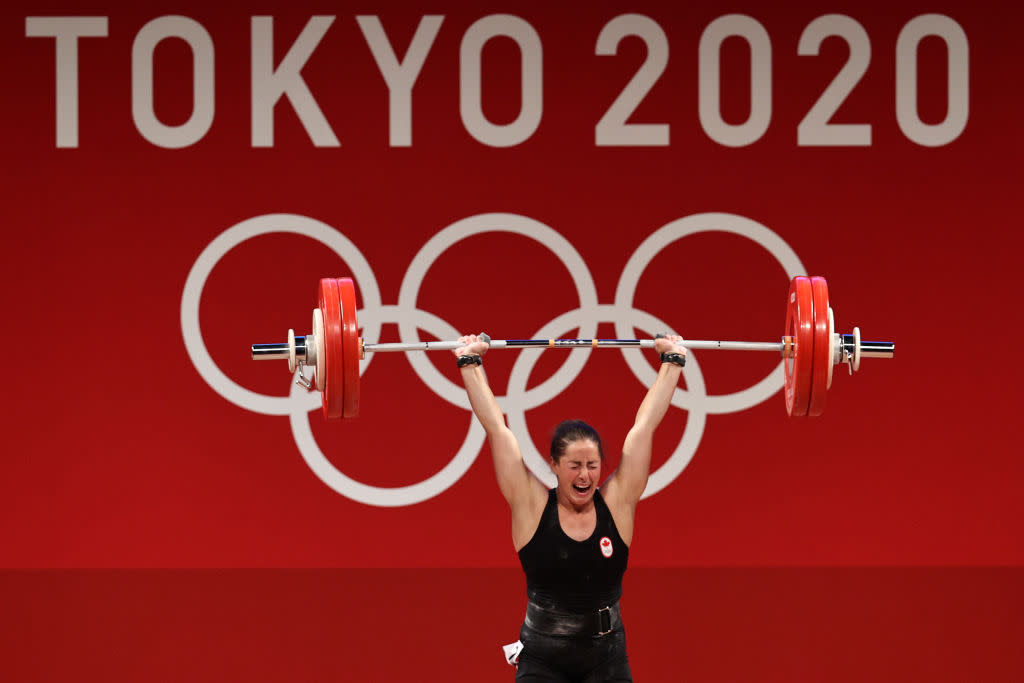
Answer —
150 527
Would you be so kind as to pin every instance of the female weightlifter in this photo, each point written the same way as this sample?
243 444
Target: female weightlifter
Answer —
573 541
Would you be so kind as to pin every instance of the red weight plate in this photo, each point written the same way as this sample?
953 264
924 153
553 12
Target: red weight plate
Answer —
350 344
788 354
799 326
822 348
334 356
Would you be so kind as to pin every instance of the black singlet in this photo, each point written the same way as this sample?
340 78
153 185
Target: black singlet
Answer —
576 576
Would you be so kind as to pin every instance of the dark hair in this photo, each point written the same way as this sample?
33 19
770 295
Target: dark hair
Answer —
569 431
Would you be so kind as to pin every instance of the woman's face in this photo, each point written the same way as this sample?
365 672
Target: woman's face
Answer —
578 471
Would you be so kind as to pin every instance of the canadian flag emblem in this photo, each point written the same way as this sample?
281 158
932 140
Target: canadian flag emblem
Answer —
606 546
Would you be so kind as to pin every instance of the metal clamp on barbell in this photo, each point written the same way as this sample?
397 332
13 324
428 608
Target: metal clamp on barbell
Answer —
810 347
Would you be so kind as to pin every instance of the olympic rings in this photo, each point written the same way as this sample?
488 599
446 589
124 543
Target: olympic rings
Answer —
299 403
474 225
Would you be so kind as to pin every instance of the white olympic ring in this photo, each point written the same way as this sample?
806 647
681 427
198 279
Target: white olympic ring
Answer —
299 403
724 222
201 269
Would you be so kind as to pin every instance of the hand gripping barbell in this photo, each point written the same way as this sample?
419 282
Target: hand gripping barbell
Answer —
810 347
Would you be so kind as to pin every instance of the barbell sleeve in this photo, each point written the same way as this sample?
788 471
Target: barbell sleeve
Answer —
274 351
872 349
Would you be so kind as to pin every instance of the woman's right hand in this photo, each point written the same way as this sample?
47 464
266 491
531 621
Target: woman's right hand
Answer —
471 345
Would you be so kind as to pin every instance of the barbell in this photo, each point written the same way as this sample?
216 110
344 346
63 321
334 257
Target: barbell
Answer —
810 347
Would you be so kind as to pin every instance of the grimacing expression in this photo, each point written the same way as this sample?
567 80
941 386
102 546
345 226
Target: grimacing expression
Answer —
579 470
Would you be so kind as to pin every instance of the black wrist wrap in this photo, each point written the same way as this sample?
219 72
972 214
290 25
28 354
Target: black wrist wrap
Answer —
472 359
675 358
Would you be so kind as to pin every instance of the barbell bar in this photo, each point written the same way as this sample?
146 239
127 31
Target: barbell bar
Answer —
810 347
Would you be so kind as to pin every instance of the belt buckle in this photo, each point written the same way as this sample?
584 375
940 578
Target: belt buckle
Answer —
604 617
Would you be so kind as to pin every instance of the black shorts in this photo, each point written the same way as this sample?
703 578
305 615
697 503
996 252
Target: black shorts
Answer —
560 659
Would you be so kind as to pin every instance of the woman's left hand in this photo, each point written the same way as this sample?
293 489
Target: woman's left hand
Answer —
669 343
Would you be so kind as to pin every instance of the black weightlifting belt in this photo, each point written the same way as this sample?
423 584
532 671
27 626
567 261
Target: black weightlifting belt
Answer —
557 623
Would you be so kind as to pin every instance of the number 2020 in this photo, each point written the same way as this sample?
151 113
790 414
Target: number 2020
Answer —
815 128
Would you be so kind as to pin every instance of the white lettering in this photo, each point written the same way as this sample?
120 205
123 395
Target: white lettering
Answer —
66 31
957 82
143 113
470 100
815 128
268 84
709 78
400 76
612 129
